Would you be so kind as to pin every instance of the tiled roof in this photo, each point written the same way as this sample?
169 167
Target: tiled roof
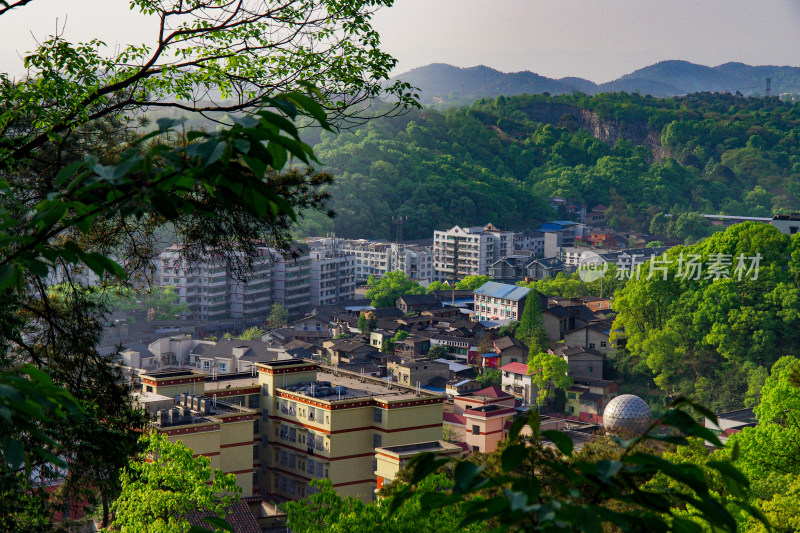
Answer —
515 368
492 392
450 418
507 342
237 514
504 291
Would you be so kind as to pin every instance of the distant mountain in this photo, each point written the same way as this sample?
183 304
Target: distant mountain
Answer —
445 84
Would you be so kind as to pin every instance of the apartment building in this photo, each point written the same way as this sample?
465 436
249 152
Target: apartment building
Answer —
460 252
414 261
226 433
292 283
530 240
326 423
479 419
391 459
499 301
373 258
333 277
517 382
377 258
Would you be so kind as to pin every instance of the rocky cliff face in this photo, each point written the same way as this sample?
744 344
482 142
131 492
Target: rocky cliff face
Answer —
609 131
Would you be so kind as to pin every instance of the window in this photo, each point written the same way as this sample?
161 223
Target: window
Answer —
571 409
148 388
206 365
256 450
377 415
376 440
591 346
264 415
223 367
255 425
476 430
591 369
265 390
253 401
476 449
571 395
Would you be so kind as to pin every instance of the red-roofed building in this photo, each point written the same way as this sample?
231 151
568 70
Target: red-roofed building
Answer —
479 418
517 382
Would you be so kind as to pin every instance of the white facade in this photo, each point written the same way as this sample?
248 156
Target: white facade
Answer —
377 258
460 252
530 240
212 294
414 261
333 277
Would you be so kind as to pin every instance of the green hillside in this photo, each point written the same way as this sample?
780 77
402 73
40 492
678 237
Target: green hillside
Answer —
497 159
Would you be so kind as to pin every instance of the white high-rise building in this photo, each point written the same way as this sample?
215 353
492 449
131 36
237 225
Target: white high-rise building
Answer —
460 252
333 276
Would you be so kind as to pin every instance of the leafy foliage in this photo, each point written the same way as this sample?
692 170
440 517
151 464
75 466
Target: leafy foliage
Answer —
327 511
708 337
278 316
165 483
530 329
616 493
495 160
548 372
385 291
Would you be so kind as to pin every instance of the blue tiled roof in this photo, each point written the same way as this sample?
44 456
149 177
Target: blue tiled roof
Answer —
493 289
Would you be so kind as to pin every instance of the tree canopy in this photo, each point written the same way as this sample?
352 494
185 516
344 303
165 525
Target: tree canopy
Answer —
707 333
384 292
166 482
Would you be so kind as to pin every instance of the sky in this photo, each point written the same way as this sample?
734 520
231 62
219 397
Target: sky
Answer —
594 39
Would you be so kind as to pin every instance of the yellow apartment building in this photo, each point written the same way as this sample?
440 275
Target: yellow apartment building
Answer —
188 409
390 459
327 423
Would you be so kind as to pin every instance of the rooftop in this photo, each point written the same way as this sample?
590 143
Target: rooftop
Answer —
504 291
349 386
419 447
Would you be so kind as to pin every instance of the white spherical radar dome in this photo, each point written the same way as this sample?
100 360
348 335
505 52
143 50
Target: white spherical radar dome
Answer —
627 414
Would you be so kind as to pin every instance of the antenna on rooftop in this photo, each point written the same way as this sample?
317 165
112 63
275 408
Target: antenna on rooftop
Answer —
768 89
398 221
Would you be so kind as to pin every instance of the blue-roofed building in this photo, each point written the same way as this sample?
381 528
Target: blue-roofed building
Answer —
498 301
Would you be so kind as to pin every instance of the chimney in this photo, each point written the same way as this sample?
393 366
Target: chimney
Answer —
160 418
196 403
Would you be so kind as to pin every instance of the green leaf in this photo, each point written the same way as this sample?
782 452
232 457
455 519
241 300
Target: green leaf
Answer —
562 441
513 456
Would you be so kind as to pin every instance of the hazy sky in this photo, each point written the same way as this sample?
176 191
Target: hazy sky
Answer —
594 39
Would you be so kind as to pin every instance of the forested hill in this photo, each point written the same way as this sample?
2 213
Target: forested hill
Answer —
497 160
445 84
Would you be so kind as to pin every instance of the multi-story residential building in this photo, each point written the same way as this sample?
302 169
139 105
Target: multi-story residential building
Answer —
203 286
517 382
333 277
213 294
373 258
460 252
479 418
499 301
311 425
225 432
391 459
530 240
329 425
377 258
291 283
414 261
